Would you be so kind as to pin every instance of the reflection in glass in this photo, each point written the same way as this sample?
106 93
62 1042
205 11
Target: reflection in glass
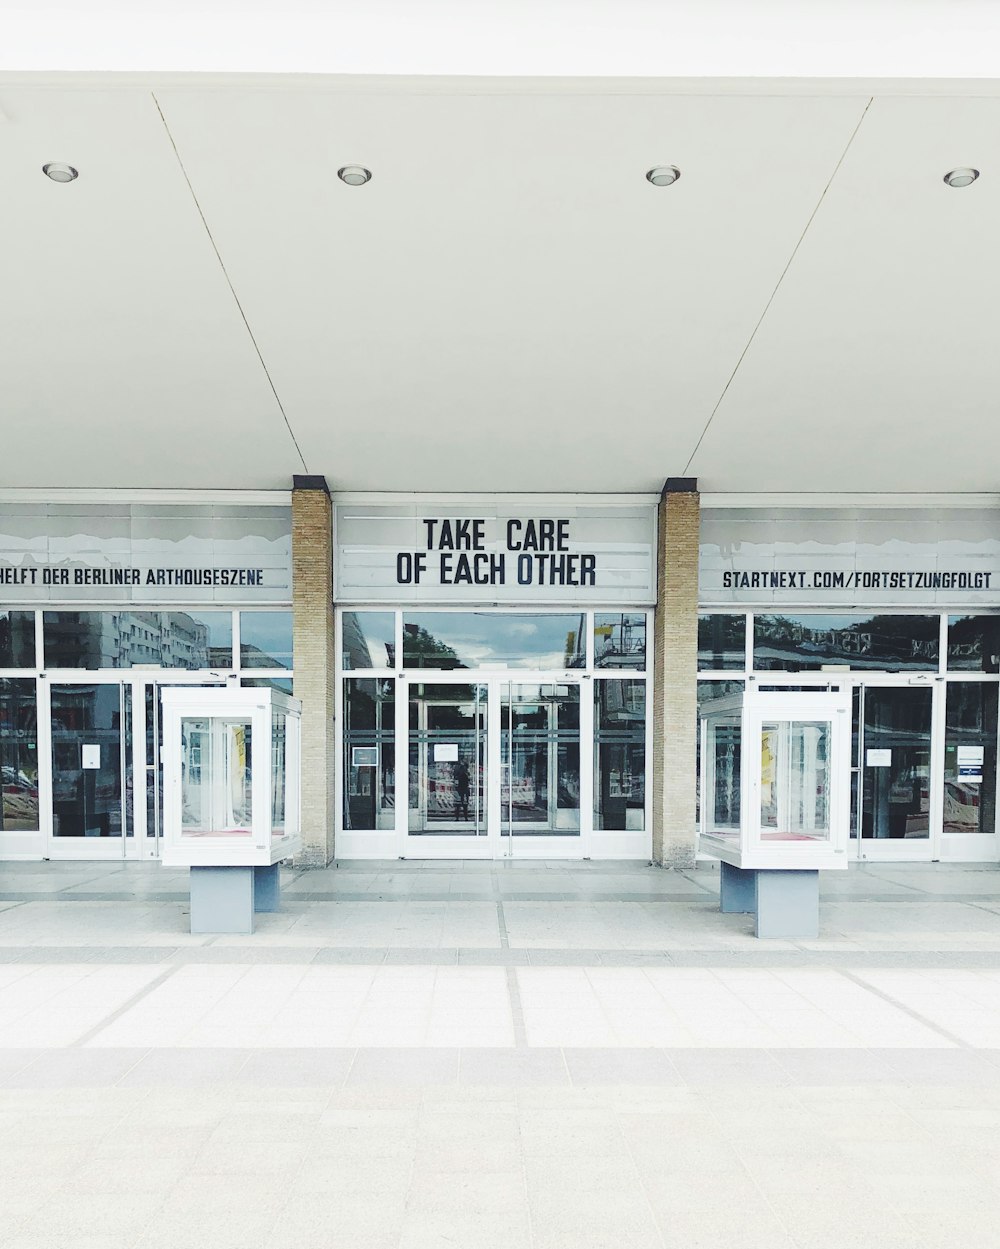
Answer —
795 780
284 684
723 763
216 765
970 757
154 761
279 772
369 753
895 791
18 756
806 642
449 640
620 640
721 641
17 639
619 755
87 760
265 639
540 760
447 759
93 640
368 639
974 643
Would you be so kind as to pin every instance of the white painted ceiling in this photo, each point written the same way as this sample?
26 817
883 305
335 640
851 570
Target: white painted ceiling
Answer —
508 304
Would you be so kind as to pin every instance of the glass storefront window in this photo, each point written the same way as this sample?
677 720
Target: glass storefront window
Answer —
368 639
217 770
974 643
724 769
279 772
265 639
970 757
18 756
17 639
620 755
369 754
794 643
721 642
795 780
620 640
93 640
449 640
284 684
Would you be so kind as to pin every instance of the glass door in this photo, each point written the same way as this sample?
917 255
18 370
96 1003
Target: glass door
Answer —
90 769
969 771
448 789
540 773
892 773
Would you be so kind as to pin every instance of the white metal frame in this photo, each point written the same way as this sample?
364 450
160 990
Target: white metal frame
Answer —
750 849
255 706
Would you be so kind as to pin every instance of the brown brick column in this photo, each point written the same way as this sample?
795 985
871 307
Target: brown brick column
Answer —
675 674
313 658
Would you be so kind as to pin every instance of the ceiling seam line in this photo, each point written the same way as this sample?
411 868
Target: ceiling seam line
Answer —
232 288
777 285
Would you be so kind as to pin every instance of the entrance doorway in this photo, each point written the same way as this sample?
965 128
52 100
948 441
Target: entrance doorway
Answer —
892 774
101 779
495 767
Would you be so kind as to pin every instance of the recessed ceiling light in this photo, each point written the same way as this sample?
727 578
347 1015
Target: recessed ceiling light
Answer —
354 175
961 177
663 175
59 172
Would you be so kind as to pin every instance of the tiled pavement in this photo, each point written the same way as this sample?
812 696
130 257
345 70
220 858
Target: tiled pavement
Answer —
417 1055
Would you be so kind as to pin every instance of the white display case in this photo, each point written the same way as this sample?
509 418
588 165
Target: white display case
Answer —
775 780
231 784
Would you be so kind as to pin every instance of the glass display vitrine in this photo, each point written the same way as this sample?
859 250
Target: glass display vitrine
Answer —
230 777
776 779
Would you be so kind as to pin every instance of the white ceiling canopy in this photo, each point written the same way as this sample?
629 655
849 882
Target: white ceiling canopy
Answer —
508 304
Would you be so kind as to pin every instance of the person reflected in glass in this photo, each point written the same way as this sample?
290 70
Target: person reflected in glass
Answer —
463 786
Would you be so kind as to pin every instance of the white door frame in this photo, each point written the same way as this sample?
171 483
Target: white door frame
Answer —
493 844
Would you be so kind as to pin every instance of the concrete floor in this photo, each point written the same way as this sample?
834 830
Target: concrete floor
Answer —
416 1055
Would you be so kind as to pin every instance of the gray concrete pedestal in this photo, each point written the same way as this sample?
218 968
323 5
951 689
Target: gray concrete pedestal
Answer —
224 899
785 902
737 890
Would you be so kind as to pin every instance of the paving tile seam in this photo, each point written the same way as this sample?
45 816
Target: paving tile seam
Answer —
219 1069
523 956
126 1006
502 927
682 901
516 1009
896 1004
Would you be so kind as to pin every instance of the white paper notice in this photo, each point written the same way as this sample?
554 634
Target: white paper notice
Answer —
91 756
970 764
878 758
446 752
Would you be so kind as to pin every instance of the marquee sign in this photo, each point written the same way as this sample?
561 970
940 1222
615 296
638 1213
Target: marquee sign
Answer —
493 552
850 557
145 554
